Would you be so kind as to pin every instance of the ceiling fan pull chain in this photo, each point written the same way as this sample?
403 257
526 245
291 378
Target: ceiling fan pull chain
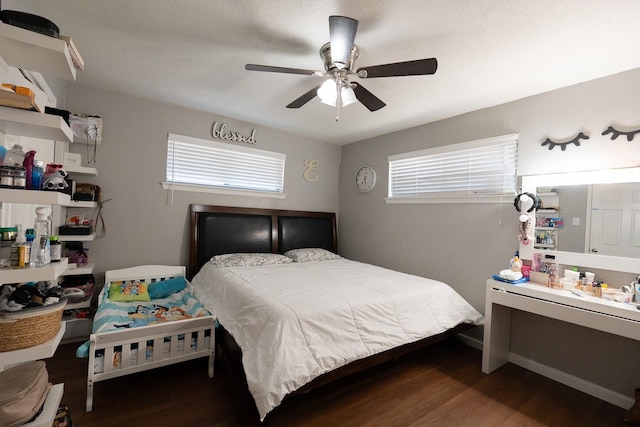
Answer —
338 99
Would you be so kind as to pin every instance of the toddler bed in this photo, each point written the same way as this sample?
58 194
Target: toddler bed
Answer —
147 317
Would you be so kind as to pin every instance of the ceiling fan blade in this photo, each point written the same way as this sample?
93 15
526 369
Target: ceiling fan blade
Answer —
369 100
269 68
343 33
299 102
418 67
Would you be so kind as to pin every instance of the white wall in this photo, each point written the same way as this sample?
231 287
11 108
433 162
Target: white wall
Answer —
143 226
463 244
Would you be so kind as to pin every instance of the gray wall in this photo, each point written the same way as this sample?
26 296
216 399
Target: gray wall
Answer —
144 226
460 244
463 244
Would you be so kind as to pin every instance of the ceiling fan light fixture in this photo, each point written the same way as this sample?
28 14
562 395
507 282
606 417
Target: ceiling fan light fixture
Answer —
339 57
348 96
327 94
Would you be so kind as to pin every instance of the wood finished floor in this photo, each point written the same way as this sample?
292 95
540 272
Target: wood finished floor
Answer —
440 386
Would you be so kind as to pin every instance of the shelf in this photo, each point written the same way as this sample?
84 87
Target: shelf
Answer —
77 305
36 52
547 211
80 204
77 330
50 408
77 238
14 121
34 197
547 229
543 245
50 271
42 351
81 170
74 270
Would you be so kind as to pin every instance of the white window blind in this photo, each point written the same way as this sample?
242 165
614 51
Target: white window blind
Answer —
200 162
475 168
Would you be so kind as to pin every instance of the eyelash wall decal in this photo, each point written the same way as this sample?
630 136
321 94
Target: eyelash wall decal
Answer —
563 145
616 133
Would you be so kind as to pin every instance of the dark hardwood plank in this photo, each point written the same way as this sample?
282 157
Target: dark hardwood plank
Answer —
439 386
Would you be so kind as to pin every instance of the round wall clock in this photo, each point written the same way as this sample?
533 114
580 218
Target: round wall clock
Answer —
365 179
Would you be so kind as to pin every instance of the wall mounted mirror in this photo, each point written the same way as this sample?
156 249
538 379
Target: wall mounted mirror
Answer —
600 211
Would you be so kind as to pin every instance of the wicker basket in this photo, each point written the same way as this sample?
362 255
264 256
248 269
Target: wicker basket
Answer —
30 327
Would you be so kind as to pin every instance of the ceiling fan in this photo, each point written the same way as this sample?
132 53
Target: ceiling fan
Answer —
339 57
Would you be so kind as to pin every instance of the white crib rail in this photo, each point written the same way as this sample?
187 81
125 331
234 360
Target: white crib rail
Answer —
170 334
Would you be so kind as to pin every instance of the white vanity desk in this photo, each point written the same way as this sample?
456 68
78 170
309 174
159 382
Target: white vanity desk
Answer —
591 312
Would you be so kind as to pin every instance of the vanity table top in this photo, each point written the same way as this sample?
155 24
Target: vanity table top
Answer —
627 311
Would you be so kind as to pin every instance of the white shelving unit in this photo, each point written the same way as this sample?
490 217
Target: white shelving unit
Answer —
27 49
78 305
14 121
75 270
77 238
37 352
50 408
81 170
50 271
78 329
80 204
9 195
50 56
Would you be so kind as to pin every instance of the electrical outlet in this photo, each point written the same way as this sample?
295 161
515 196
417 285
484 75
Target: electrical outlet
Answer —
576 220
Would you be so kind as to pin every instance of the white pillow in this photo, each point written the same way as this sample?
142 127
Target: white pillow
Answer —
248 259
311 254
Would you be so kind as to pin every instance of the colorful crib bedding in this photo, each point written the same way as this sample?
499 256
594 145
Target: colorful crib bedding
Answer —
141 311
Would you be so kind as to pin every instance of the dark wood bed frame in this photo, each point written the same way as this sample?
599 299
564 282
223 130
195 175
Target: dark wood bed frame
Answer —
218 230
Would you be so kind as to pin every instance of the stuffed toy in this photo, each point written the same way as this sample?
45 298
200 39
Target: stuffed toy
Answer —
54 178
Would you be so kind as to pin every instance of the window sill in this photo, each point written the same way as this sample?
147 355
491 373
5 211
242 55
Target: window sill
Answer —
218 190
449 199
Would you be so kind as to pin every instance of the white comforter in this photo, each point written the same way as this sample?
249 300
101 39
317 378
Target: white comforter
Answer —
297 321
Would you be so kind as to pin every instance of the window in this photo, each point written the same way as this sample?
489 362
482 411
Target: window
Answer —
200 165
484 167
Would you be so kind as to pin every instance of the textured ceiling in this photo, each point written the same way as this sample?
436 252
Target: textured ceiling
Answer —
193 52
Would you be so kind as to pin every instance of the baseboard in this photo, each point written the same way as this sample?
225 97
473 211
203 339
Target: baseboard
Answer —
572 381
470 341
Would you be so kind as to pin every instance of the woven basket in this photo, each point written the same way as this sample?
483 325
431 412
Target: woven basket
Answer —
30 327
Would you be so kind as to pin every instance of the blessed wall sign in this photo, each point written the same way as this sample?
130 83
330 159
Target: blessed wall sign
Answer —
219 131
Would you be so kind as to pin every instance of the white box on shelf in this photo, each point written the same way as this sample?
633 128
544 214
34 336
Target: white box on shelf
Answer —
71 159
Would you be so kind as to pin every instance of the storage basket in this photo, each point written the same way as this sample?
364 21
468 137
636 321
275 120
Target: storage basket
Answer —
30 327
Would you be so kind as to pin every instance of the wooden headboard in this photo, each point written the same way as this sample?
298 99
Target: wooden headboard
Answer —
216 230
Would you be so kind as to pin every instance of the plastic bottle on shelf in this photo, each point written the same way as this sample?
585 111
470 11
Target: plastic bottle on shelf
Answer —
56 249
40 251
36 175
14 156
554 277
30 238
19 250
28 164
